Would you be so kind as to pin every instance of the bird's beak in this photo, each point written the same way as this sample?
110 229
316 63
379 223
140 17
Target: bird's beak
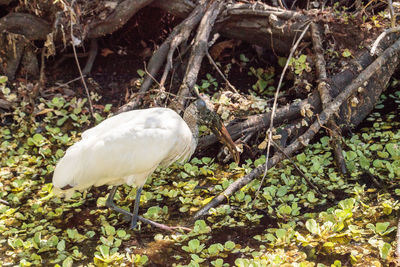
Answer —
223 135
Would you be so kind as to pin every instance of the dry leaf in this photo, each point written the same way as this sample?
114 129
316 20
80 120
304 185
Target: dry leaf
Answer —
217 49
105 52
44 111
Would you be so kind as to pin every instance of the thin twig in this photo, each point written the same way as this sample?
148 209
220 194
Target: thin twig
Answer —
71 81
297 168
2 201
42 68
293 49
83 82
220 72
398 243
282 4
180 34
151 76
79 67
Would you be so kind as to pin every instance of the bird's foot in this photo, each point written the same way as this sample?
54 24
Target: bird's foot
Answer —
163 226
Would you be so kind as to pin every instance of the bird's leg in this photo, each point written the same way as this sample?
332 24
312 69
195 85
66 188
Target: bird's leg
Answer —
136 207
136 217
110 203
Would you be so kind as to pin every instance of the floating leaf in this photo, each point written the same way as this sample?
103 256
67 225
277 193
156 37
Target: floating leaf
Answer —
68 262
312 226
384 250
3 79
280 233
229 245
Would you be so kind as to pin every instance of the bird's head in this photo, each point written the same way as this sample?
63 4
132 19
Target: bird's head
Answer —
214 123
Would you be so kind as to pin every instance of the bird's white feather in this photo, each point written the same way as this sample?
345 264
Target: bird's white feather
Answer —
125 148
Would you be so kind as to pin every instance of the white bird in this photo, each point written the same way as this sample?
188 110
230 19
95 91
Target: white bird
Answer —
127 148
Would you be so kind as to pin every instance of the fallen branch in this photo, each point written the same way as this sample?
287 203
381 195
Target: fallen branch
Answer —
32 27
158 58
122 13
94 47
323 88
199 50
303 140
380 37
348 116
256 123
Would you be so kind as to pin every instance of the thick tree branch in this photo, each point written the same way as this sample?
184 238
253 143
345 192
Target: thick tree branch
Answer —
122 13
32 27
324 93
256 123
180 33
267 26
199 50
177 8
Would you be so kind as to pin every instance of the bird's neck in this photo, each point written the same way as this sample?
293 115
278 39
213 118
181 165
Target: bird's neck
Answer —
191 120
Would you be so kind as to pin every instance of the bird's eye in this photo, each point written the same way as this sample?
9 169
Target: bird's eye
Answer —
201 104
202 107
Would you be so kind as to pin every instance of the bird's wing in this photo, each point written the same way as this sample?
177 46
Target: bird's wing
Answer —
132 118
125 152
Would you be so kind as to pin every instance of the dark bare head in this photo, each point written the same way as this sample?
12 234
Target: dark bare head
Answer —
198 113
